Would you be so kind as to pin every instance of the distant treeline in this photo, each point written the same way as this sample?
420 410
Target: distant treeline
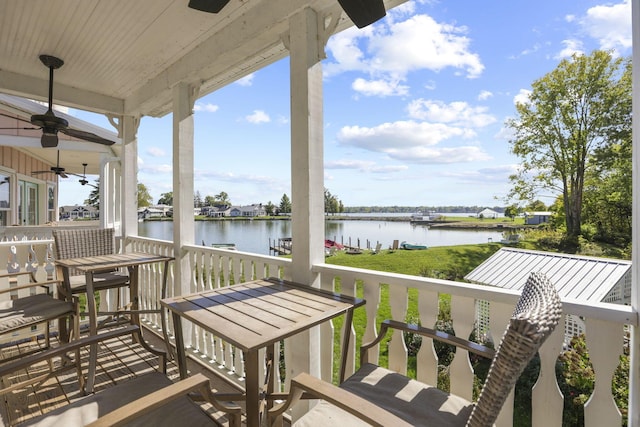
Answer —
425 209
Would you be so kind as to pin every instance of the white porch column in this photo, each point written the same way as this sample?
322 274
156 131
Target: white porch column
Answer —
307 172
183 224
129 175
634 365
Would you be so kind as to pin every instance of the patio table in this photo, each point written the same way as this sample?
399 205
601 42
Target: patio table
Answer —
256 315
96 264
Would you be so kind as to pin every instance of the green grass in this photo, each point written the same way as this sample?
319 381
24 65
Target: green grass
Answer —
458 260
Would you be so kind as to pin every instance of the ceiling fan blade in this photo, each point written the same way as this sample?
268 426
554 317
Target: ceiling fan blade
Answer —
363 12
62 174
16 118
49 140
210 6
87 136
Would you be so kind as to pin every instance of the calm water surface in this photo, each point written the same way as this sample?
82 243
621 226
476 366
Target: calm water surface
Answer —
254 236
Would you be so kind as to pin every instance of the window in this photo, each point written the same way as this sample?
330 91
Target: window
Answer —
5 199
51 203
28 203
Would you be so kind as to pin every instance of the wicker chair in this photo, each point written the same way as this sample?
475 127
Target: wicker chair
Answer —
379 397
86 243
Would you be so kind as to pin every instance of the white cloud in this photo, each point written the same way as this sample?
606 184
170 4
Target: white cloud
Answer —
610 24
379 87
156 152
411 141
458 113
258 117
246 80
571 46
208 107
426 45
484 95
522 97
364 166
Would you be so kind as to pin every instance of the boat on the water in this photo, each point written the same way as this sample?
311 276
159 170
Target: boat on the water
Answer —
229 246
412 246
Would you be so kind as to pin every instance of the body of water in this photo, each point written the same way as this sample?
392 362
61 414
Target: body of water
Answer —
254 236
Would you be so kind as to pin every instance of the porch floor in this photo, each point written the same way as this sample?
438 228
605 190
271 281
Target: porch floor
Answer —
119 359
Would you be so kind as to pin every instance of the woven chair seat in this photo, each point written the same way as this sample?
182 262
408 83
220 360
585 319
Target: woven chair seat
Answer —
417 403
101 281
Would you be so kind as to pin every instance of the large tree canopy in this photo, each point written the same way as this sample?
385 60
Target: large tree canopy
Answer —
581 107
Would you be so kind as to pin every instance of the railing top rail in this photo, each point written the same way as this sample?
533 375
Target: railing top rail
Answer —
616 313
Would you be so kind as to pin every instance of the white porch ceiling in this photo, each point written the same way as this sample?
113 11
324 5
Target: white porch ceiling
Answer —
124 56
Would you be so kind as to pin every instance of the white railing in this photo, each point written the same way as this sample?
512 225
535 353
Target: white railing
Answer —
212 268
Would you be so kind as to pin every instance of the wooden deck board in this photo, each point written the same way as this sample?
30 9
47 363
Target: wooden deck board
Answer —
118 360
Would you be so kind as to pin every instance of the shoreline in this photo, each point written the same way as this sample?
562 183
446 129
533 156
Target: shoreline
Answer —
440 224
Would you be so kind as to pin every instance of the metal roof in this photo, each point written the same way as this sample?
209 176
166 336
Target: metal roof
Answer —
581 278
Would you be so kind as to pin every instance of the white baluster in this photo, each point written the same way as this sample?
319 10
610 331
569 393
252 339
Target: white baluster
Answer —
548 402
604 342
397 349
461 371
427 359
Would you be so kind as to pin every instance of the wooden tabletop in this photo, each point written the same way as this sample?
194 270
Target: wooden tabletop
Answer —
110 262
255 314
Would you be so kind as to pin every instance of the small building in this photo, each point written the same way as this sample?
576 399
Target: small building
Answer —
249 211
150 212
587 279
71 213
487 213
536 218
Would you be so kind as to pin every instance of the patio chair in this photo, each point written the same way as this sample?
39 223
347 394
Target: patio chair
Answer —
167 409
379 397
25 304
87 243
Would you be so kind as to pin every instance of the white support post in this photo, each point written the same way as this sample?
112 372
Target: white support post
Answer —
634 363
129 171
307 173
183 223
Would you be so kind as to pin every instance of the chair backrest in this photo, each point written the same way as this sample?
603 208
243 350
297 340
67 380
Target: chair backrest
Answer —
535 317
83 243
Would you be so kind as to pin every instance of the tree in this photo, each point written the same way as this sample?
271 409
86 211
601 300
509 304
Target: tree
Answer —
511 212
209 201
285 204
197 200
94 196
222 199
332 204
144 198
270 208
166 199
581 106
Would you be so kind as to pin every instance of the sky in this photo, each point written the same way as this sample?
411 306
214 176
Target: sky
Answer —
414 106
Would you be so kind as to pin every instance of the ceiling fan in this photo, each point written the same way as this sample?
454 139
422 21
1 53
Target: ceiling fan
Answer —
361 12
59 171
52 124
83 178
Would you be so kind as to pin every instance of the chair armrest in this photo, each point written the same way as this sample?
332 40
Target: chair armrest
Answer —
441 336
159 398
33 283
343 399
25 362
